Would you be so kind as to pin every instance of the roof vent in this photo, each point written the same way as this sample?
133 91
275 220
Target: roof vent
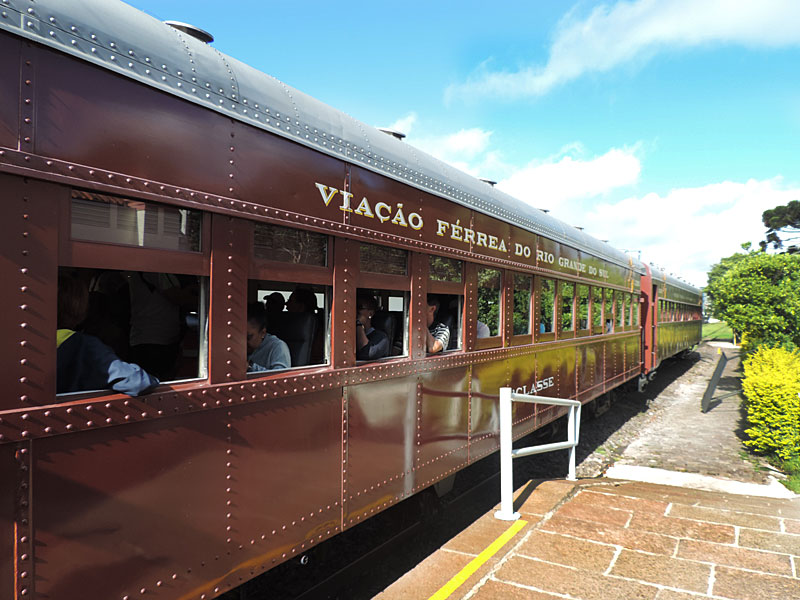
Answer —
395 134
191 30
489 181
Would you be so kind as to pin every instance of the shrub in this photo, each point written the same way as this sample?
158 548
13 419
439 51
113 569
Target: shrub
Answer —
771 385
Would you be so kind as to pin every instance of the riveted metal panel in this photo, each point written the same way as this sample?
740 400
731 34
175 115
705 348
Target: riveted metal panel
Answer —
555 368
381 446
491 237
28 239
131 508
283 176
10 556
523 381
343 318
487 379
284 458
418 309
127 128
231 244
443 422
470 305
590 369
9 91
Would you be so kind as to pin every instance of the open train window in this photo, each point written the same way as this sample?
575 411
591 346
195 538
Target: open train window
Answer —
567 295
489 307
522 309
546 295
597 309
139 272
608 310
383 315
156 320
446 284
297 315
619 300
290 287
582 316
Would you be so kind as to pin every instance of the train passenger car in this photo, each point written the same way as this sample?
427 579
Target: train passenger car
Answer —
173 186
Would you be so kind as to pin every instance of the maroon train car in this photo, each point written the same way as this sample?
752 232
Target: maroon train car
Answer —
156 171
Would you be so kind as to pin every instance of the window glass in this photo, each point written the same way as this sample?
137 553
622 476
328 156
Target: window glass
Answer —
284 244
620 302
103 218
567 300
637 313
629 309
383 315
522 304
583 306
608 303
297 314
547 306
490 287
383 259
156 321
597 306
445 269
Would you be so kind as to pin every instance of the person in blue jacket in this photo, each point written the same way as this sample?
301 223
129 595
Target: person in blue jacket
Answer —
83 362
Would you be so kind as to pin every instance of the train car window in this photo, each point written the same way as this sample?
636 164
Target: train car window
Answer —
619 299
567 306
383 259
547 305
583 307
445 269
523 285
298 315
628 307
110 219
597 309
490 288
287 245
636 311
608 310
383 315
157 321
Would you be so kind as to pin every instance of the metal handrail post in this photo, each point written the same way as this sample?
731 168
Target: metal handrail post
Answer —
506 512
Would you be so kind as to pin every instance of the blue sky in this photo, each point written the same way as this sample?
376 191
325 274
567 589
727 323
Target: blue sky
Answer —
665 126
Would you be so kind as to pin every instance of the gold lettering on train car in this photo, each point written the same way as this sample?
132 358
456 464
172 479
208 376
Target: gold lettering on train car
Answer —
542 256
364 209
481 239
345 207
326 197
399 219
493 242
520 250
469 236
456 230
381 217
441 227
415 221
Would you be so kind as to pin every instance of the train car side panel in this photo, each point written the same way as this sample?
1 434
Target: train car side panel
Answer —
285 491
139 504
124 127
28 239
442 439
381 445
9 91
10 522
590 370
487 379
522 379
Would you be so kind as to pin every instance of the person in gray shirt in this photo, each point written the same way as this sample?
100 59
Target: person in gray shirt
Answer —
265 352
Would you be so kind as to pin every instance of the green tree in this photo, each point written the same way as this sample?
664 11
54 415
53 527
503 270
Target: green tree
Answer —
758 295
716 273
783 221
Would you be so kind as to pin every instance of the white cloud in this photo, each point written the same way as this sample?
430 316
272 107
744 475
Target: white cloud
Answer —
557 180
404 124
627 31
467 149
689 229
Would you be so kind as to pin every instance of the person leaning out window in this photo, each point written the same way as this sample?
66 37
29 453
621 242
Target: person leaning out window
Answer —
438 334
371 343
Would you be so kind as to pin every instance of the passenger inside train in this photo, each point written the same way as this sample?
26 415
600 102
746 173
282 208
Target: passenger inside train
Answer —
265 352
83 361
371 343
438 334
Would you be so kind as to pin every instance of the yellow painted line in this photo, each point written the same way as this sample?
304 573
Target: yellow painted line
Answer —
451 586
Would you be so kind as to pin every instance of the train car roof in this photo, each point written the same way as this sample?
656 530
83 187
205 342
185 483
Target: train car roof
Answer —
127 41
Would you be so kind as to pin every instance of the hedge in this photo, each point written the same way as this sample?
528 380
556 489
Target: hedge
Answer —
771 385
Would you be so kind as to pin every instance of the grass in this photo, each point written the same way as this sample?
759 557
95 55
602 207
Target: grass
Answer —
792 470
717 331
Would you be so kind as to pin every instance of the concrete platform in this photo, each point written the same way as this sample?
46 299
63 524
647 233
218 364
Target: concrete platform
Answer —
605 539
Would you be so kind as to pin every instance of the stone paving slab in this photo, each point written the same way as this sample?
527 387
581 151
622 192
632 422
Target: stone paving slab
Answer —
668 546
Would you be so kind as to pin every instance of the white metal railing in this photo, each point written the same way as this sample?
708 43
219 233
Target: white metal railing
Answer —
507 453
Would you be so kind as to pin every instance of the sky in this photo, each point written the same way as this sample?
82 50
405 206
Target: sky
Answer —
665 127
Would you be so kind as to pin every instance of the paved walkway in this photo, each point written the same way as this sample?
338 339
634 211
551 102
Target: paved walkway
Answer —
635 537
